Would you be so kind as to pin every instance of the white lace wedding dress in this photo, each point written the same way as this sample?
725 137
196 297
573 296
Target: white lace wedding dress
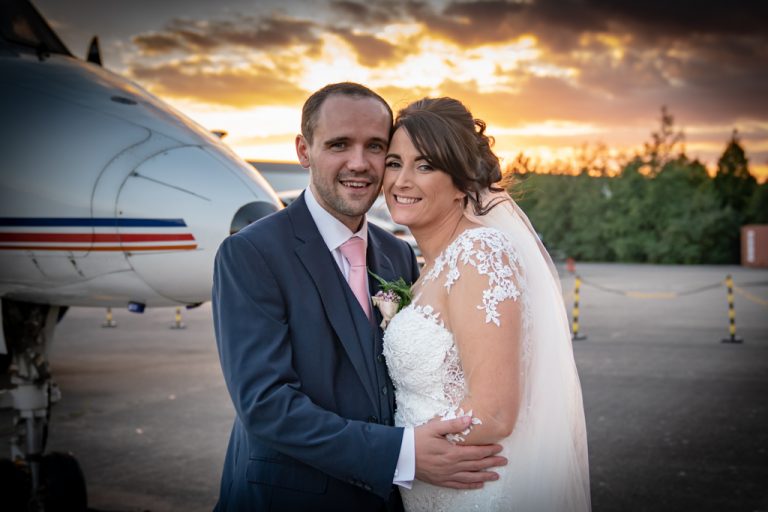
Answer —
547 455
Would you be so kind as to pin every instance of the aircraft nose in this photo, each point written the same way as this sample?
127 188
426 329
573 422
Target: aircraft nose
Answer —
208 196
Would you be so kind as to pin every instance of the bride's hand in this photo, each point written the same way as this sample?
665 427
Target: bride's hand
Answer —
440 462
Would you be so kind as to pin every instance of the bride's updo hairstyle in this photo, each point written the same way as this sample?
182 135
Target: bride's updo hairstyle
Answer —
450 139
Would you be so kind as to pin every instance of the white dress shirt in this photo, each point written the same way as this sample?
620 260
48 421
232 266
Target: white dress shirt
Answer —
335 233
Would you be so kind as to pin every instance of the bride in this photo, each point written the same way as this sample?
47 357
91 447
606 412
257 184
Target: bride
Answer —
486 334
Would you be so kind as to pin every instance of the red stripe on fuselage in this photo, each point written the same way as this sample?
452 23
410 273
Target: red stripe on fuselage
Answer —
93 237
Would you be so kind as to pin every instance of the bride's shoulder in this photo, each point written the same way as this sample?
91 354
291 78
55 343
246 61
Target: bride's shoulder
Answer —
484 239
478 247
483 263
479 232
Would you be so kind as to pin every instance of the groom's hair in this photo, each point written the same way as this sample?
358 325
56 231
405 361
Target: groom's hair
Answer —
311 109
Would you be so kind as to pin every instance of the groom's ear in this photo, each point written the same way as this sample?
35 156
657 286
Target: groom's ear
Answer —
302 151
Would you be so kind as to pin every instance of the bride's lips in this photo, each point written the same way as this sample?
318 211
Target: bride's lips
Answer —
405 200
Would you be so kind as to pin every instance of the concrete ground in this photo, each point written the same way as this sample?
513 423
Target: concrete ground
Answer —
677 420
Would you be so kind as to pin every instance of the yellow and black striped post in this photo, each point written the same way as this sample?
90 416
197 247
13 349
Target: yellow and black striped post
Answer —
178 324
109 322
576 287
731 314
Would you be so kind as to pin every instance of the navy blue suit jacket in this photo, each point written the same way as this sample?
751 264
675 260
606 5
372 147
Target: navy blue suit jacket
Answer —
303 366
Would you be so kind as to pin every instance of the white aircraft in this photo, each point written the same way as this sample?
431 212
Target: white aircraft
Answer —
108 198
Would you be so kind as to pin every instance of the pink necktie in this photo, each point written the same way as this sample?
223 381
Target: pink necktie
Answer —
354 250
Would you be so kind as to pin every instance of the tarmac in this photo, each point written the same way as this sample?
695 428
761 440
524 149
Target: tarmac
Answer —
676 419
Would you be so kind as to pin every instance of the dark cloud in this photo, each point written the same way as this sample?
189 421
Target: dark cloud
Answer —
707 81
256 86
719 100
708 61
268 33
542 99
557 21
370 14
470 24
490 22
194 36
158 43
658 37
623 121
538 99
360 13
682 18
371 51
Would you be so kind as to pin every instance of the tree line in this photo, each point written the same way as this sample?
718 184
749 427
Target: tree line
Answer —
657 207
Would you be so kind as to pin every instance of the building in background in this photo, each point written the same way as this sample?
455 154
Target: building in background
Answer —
754 245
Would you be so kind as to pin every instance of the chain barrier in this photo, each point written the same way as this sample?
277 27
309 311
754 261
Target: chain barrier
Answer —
654 295
728 283
754 298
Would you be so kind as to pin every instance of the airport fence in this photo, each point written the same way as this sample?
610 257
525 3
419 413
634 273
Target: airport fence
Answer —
728 283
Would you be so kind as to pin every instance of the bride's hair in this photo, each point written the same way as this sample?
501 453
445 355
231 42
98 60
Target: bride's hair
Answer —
450 139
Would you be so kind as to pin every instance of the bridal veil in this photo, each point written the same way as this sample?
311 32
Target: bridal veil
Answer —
547 450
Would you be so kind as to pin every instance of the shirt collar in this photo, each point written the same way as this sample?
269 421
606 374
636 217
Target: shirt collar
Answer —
333 231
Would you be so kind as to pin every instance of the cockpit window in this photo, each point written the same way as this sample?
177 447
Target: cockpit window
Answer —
21 24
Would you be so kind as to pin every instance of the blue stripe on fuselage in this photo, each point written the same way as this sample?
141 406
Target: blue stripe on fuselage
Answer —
90 222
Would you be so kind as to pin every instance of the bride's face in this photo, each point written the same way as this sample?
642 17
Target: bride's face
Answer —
417 194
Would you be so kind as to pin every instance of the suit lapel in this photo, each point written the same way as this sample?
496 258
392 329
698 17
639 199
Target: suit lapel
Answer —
381 265
323 270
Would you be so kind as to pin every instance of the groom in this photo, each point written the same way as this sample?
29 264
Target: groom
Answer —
299 342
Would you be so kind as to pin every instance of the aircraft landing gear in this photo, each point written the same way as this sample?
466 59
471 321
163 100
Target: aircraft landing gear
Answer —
55 481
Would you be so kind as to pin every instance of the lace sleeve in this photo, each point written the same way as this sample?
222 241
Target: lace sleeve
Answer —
481 274
492 255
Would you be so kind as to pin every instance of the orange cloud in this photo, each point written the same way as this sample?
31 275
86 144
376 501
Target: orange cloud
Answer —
255 86
609 66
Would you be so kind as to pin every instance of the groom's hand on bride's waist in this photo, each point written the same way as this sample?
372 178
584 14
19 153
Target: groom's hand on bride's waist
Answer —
440 462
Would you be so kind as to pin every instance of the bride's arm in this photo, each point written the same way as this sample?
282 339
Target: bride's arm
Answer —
489 352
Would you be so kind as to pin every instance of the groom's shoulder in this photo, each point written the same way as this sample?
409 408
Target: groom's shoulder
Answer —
271 227
265 232
272 222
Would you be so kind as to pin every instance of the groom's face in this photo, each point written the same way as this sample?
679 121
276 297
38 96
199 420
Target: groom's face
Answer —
346 156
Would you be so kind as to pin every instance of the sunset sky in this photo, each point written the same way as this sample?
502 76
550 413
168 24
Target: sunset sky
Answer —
547 75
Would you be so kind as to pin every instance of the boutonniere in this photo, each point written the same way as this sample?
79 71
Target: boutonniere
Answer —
393 296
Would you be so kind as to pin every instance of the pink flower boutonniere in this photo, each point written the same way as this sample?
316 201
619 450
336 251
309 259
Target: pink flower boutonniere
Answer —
393 296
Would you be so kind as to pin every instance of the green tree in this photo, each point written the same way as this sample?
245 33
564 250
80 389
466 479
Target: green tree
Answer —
586 240
733 181
660 208
666 144
547 200
757 209
686 218
628 222
735 187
